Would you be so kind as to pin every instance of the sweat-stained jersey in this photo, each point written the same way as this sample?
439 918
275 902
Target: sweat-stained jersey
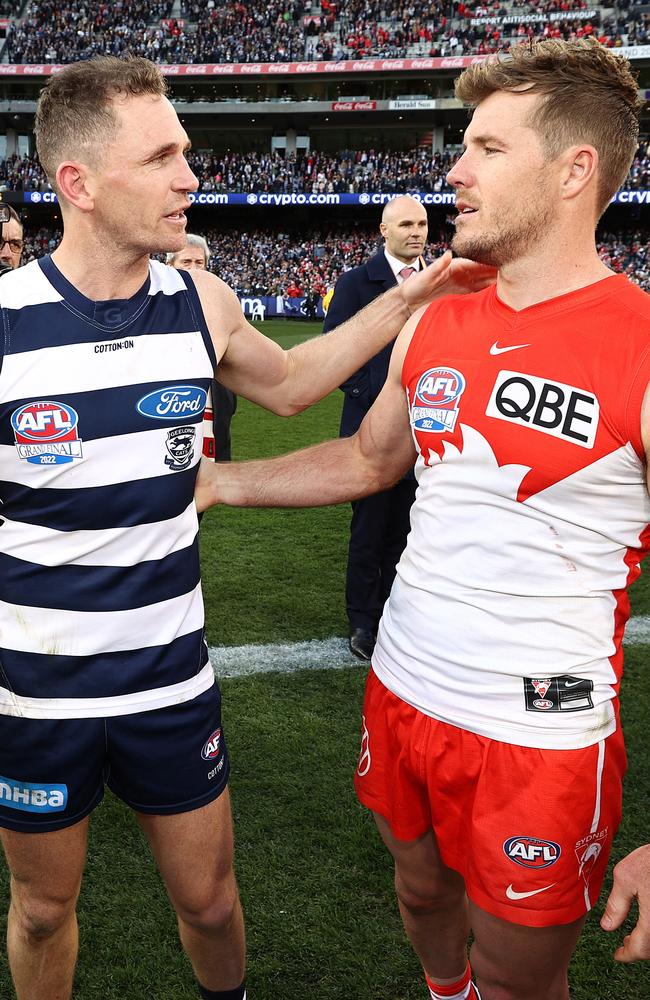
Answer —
101 414
531 515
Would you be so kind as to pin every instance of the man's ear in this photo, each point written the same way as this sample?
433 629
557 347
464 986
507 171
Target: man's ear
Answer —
579 170
74 183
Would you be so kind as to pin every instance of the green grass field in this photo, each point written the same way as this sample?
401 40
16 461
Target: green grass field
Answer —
315 882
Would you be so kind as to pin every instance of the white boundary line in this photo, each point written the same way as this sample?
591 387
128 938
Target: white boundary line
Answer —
285 658
331 654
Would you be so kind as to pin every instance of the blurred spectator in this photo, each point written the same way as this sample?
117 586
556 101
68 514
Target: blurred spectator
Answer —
22 173
11 241
627 252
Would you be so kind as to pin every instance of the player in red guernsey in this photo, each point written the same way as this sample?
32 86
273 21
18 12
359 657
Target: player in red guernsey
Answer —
492 756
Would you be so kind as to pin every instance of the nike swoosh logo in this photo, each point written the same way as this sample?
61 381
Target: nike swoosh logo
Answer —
495 349
513 894
572 684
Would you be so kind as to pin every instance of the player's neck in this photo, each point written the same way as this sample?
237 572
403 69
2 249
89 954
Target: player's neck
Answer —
548 273
100 273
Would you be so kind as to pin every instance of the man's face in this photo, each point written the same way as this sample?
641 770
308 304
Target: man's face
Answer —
405 228
141 181
12 247
189 259
506 190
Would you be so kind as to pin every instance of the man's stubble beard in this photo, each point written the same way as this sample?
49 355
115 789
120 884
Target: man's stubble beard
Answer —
506 244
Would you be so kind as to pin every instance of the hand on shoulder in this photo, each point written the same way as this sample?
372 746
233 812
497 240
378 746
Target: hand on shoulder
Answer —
446 276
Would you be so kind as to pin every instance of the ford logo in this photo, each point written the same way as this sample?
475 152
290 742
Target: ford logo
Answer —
174 402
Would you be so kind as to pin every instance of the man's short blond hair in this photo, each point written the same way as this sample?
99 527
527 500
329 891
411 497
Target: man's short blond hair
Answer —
75 117
588 95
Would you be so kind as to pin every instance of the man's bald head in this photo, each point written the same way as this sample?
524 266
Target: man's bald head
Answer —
404 226
402 204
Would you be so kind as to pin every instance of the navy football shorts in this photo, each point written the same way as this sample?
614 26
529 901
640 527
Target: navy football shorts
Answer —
168 760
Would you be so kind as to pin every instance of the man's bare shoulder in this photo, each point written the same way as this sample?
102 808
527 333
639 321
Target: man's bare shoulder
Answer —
219 303
210 287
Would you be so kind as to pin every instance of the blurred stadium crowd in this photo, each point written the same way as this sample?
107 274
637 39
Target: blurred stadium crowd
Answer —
60 31
354 171
259 262
264 262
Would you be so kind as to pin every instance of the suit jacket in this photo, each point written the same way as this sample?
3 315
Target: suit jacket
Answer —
224 404
354 290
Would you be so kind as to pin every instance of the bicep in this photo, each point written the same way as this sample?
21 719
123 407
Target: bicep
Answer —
384 437
250 364
253 365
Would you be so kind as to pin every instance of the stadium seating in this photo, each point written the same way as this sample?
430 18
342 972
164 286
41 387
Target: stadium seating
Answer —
353 171
240 31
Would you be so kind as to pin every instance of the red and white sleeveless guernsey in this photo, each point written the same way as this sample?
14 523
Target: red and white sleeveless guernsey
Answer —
531 514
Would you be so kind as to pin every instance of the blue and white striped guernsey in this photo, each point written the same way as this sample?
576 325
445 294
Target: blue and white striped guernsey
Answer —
101 408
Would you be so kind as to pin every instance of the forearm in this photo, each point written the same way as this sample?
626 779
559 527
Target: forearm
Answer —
314 477
319 365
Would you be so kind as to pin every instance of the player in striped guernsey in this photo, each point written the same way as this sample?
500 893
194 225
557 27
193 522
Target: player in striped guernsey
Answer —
106 362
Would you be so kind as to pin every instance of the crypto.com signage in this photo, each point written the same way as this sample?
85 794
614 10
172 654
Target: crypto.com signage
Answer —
272 199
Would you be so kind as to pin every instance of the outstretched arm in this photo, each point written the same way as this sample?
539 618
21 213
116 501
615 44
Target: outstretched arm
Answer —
286 382
371 460
631 881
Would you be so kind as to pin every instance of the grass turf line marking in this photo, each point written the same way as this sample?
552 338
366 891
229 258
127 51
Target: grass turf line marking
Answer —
637 631
331 654
286 658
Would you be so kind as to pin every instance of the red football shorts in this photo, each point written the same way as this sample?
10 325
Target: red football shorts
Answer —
529 830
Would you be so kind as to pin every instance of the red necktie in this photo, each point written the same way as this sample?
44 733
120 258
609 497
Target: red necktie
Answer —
406 272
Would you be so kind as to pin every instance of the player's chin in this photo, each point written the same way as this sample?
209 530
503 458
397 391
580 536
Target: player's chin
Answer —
473 249
170 240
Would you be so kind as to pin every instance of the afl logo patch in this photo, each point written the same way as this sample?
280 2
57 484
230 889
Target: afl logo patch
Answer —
436 399
530 852
46 433
212 746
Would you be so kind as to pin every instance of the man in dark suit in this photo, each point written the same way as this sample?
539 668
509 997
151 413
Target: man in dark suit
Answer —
380 523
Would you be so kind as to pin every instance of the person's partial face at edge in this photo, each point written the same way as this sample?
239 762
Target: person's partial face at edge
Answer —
506 192
12 246
189 259
142 178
